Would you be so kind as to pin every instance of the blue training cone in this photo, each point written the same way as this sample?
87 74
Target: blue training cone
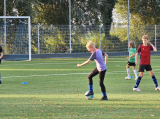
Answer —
24 83
131 76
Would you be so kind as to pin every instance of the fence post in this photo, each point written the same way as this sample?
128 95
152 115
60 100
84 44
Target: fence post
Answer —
5 36
70 47
99 36
38 41
155 36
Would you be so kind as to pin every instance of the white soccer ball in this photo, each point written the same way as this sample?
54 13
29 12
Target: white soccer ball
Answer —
90 97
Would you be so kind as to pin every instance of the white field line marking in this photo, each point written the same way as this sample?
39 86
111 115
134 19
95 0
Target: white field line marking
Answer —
42 75
113 72
56 75
37 64
59 63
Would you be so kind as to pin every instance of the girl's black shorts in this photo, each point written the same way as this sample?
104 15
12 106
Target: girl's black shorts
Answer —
131 64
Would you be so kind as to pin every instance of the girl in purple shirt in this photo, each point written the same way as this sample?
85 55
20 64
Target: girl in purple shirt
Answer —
100 69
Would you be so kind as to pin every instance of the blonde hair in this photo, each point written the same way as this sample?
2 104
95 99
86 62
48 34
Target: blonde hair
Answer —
132 43
145 37
90 44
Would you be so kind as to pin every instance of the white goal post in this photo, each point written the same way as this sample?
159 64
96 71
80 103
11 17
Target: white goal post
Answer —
29 30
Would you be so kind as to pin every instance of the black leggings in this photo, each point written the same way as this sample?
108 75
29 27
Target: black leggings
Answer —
101 78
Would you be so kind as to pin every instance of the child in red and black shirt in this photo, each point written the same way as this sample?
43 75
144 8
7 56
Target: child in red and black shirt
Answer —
145 54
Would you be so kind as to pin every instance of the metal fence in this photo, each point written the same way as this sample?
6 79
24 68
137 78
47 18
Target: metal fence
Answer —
114 38
55 39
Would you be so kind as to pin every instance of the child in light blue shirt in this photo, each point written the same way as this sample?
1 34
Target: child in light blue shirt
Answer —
100 69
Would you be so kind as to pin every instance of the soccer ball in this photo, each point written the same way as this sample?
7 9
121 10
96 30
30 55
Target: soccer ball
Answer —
89 97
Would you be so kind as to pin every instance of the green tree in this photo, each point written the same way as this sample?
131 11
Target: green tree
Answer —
19 8
16 8
9 8
83 12
106 9
52 12
93 12
142 12
90 12
55 43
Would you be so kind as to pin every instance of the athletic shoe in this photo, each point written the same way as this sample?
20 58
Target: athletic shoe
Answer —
104 98
136 89
157 88
136 78
89 93
127 78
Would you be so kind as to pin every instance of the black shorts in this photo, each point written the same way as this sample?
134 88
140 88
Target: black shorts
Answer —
147 67
131 64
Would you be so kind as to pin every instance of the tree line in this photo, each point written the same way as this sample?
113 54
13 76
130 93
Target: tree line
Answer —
56 12
89 12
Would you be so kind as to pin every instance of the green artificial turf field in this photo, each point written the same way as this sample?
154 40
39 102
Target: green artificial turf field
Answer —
55 89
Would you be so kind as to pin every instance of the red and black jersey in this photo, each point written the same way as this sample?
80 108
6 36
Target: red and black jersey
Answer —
145 52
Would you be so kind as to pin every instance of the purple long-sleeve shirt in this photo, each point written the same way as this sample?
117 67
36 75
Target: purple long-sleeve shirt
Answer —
98 57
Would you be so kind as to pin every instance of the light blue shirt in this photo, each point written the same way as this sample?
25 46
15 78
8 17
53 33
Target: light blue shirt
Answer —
98 57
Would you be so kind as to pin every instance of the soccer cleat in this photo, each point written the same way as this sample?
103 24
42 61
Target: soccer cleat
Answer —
89 93
136 78
136 89
157 88
104 98
127 78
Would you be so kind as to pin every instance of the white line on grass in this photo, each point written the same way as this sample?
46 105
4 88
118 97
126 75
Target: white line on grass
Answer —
37 64
54 63
113 72
55 75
